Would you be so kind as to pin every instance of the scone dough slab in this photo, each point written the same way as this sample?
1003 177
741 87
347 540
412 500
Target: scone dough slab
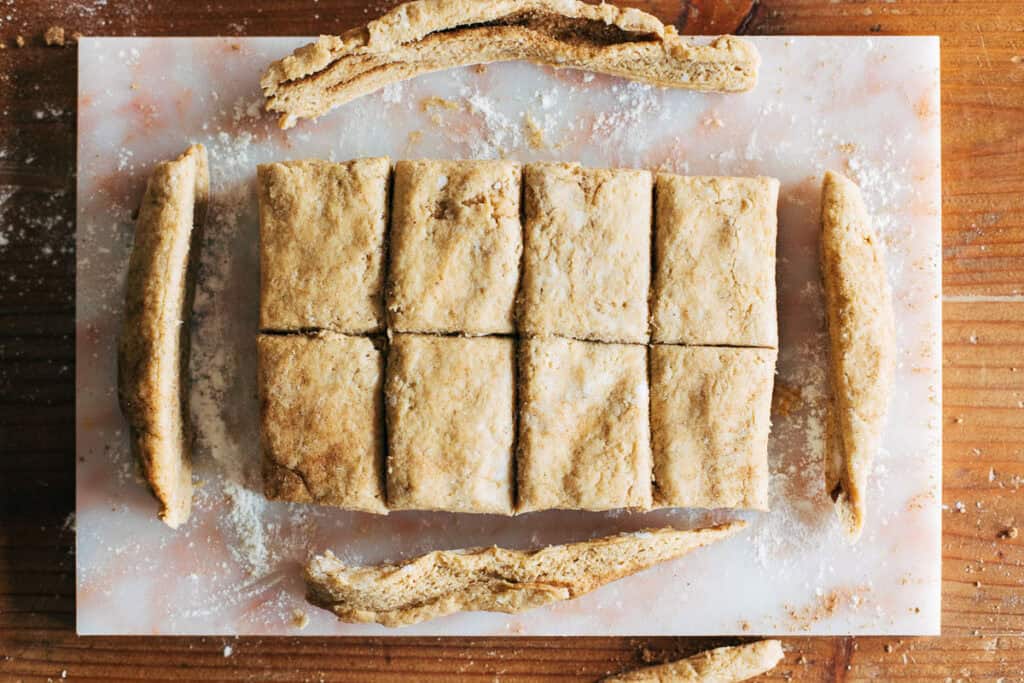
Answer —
322 419
322 245
714 261
861 327
710 417
451 423
584 440
456 242
152 357
587 257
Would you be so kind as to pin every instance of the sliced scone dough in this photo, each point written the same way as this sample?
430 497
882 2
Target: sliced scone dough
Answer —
862 344
153 348
431 35
492 579
721 665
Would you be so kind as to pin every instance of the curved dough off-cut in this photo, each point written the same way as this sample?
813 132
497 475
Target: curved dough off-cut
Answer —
153 347
861 327
430 35
721 665
492 579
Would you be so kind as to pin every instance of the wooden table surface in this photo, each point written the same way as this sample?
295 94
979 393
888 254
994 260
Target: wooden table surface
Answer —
983 363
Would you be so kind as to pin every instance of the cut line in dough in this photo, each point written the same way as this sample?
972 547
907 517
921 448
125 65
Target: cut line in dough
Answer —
431 35
721 665
858 305
154 342
492 579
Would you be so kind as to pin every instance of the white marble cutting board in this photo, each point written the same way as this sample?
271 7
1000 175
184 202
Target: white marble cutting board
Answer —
865 106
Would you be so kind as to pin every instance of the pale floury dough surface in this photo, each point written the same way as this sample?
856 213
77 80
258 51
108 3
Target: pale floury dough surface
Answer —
584 440
456 242
322 228
861 328
721 665
710 418
429 35
322 418
714 256
152 357
451 423
493 579
587 252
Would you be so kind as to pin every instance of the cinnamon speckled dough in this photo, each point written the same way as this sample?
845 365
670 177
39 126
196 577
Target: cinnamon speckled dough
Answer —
322 420
456 242
322 245
710 417
584 435
714 273
450 412
586 268
861 327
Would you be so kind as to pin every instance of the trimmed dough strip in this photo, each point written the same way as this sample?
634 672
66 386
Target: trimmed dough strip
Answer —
858 305
153 348
721 665
492 579
431 35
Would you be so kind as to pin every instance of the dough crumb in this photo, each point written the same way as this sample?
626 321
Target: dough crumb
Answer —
785 399
534 133
19 41
1009 532
435 102
228 650
54 36
300 619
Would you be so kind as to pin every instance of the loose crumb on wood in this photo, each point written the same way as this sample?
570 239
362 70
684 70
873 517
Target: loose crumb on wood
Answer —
19 41
54 36
1009 532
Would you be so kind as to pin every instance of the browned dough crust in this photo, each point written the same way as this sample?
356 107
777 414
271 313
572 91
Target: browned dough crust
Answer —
861 328
492 579
153 348
431 35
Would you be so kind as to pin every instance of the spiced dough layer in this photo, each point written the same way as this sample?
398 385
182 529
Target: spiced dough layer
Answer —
152 357
431 35
861 328
492 579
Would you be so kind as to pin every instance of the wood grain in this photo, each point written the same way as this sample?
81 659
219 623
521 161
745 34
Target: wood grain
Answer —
983 237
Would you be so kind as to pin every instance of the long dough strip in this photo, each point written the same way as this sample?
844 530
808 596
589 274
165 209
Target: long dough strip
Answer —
431 35
153 348
862 340
721 665
492 579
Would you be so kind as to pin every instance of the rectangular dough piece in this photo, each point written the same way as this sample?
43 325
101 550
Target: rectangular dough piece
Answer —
451 423
456 242
322 420
710 417
584 437
587 252
322 230
714 261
